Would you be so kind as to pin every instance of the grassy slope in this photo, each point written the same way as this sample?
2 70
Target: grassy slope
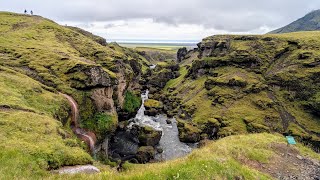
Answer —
31 140
32 113
156 54
222 159
57 56
236 106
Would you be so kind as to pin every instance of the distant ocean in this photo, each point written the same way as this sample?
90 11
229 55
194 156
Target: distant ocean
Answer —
188 43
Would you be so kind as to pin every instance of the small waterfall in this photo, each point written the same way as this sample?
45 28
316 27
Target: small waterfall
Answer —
142 120
153 66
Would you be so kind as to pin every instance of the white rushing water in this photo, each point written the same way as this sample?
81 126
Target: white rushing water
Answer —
169 142
143 120
153 66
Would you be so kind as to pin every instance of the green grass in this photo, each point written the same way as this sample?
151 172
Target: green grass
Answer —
174 82
38 59
20 91
31 140
101 124
217 160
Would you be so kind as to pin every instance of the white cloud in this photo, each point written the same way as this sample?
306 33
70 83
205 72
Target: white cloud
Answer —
168 19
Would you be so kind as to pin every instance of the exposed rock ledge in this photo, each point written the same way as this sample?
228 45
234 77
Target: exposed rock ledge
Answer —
87 169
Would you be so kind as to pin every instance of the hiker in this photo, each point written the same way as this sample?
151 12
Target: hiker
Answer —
25 11
31 12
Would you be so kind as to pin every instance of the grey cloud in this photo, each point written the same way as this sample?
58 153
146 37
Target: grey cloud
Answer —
112 25
227 15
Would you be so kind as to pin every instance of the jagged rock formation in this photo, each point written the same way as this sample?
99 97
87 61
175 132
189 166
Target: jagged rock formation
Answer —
181 54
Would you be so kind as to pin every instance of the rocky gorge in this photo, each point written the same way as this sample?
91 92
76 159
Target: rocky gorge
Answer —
71 100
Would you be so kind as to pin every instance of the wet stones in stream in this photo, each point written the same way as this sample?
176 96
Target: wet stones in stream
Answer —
136 144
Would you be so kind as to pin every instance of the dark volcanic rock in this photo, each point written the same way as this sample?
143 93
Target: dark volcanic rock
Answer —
214 48
135 142
124 143
182 52
97 76
151 112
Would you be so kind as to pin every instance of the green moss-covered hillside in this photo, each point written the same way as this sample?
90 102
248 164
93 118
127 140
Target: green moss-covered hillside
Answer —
39 59
71 61
246 84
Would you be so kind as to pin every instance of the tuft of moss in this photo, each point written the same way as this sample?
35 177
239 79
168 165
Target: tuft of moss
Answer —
101 124
131 102
151 103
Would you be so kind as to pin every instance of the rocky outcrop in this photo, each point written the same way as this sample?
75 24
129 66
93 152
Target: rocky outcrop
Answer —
103 99
87 77
217 47
157 79
97 77
182 52
148 136
153 107
134 143
188 133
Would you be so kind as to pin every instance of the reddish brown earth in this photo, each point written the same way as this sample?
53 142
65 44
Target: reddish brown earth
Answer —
88 137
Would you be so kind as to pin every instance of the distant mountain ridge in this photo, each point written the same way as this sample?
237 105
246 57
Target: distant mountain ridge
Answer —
310 22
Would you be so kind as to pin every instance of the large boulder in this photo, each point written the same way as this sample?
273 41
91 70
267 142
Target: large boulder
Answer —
145 154
188 133
124 143
149 136
182 52
153 107
83 169
134 142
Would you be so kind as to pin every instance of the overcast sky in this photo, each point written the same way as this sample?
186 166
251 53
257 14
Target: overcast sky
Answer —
167 19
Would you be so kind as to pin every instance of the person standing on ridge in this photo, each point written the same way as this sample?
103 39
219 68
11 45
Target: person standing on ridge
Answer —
25 11
31 12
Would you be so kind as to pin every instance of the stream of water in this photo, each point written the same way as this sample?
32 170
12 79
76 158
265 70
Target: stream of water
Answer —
169 142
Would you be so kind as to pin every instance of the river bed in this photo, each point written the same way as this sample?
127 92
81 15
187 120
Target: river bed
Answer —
169 142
